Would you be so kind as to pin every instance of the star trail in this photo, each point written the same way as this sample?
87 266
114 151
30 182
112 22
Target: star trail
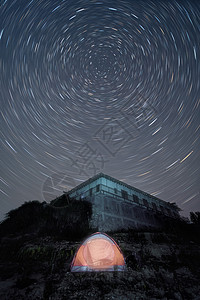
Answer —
99 86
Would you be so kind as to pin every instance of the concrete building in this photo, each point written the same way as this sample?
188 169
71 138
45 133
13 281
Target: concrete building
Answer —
117 205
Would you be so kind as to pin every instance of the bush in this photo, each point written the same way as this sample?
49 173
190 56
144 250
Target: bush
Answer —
195 217
70 221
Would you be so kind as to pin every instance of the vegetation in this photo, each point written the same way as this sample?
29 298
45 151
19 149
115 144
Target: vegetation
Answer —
195 217
64 218
175 206
39 240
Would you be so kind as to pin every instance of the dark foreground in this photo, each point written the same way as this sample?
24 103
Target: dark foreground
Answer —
159 266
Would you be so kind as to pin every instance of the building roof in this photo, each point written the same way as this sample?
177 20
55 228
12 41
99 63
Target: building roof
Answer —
99 175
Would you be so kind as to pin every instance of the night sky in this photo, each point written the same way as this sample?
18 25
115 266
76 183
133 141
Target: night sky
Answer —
99 86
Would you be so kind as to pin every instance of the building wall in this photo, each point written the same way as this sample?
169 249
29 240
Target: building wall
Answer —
112 214
114 189
115 205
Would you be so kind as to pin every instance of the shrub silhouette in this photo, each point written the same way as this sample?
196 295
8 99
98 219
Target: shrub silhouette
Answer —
195 217
69 221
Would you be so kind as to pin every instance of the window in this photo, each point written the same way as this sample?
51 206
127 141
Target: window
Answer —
154 206
145 202
135 199
124 194
97 188
115 190
162 209
90 192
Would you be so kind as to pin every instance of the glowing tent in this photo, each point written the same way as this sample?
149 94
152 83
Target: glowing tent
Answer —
98 252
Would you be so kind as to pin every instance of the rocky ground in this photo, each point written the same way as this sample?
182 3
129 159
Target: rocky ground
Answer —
159 266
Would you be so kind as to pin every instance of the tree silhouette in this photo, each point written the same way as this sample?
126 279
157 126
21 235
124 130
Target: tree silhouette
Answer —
195 217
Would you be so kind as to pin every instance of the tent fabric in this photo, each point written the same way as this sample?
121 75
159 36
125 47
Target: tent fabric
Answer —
98 252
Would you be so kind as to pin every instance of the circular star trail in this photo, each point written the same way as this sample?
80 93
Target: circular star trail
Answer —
99 86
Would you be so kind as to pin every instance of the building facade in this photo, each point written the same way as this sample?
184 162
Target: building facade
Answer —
117 205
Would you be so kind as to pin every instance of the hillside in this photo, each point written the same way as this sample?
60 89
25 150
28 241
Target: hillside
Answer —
38 242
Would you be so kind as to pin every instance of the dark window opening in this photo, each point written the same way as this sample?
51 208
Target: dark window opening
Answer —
97 188
162 208
145 203
154 206
90 192
135 199
115 190
124 194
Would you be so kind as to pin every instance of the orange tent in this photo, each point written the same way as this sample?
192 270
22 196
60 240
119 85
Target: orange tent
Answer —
98 252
